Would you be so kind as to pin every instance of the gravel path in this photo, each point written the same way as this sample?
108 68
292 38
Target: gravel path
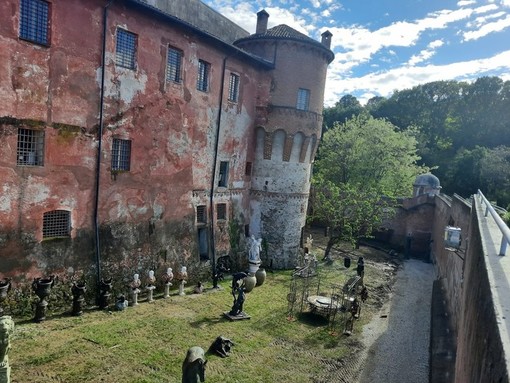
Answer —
398 340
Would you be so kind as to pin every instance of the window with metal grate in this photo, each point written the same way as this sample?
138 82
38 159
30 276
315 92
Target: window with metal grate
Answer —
203 76
303 99
221 211
233 88
34 21
121 155
201 214
125 50
173 65
57 223
30 150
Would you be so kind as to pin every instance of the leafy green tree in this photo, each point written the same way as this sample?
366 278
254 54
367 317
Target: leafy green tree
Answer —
363 164
344 109
495 174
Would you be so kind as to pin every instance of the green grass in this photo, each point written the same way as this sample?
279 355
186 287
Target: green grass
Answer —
148 343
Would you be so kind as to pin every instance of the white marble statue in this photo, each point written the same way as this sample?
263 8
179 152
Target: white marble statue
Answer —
255 246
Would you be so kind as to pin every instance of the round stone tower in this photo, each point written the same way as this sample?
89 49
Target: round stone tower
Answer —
287 135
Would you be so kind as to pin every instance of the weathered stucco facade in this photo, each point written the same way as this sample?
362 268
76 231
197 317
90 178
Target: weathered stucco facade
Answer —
113 159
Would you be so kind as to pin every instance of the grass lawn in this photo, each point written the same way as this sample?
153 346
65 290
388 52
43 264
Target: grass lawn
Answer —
148 343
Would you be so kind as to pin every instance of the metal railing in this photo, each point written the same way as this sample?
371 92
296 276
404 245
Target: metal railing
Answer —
505 231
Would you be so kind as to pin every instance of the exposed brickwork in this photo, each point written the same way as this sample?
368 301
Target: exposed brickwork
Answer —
289 140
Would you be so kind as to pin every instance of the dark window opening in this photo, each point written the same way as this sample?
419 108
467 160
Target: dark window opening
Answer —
34 21
57 223
246 230
247 170
121 155
30 150
203 76
125 52
223 176
201 214
174 64
203 244
221 211
233 88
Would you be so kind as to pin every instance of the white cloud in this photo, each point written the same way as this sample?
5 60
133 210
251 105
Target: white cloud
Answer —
384 83
426 53
484 30
464 3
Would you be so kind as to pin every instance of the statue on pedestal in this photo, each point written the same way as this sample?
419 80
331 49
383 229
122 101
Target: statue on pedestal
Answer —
6 329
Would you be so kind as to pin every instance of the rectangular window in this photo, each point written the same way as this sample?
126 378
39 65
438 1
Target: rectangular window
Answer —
30 149
34 21
247 230
201 214
57 223
223 177
121 155
125 51
173 65
233 88
203 76
303 99
203 243
221 211
247 169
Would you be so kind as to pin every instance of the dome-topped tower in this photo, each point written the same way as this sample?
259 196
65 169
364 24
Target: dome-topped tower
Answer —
287 134
426 184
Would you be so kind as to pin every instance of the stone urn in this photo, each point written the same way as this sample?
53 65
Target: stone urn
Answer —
249 282
5 286
105 288
260 275
42 288
78 290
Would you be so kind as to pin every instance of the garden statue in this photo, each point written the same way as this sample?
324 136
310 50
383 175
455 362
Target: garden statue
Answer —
193 367
135 284
151 285
121 303
255 246
5 286
239 294
104 293
182 276
199 288
221 346
78 290
6 329
42 288
167 280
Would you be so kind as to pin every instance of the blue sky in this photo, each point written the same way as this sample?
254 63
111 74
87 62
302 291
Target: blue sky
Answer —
386 45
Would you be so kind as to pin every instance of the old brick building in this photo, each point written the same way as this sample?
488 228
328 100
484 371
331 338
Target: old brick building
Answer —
151 134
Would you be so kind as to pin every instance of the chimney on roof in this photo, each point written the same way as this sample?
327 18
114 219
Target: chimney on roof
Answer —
262 18
326 39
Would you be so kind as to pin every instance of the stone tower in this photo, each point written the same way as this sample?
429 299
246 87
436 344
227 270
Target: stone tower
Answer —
287 134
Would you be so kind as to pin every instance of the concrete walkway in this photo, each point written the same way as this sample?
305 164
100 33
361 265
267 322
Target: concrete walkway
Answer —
400 337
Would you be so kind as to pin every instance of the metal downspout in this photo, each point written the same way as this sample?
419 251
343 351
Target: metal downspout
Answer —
213 177
99 147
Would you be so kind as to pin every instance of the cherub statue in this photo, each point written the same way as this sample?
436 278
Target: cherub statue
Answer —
254 250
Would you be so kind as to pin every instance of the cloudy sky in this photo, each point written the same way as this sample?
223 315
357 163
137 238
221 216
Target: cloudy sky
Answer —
384 45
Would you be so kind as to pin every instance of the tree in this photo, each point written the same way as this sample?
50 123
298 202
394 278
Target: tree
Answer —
364 163
347 107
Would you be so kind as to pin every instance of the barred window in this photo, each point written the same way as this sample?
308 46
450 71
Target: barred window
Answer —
30 149
303 99
221 211
173 65
233 88
121 155
125 51
34 21
223 178
201 214
203 76
57 223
